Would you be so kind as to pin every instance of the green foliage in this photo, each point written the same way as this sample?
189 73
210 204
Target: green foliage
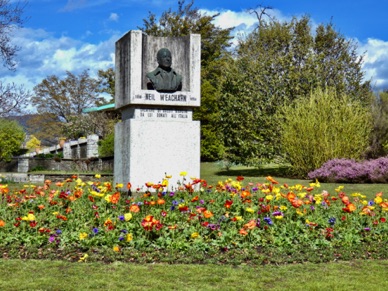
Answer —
325 126
11 138
275 64
214 44
107 146
379 137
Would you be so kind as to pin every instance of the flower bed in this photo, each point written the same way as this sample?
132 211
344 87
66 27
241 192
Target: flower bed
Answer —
192 218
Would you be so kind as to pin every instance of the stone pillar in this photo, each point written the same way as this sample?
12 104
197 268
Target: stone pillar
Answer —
23 165
67 150
157 135
92 146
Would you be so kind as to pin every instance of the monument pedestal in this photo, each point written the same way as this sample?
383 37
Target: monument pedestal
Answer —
157 135
151 148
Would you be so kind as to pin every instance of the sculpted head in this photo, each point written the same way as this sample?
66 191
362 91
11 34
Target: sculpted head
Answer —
164 58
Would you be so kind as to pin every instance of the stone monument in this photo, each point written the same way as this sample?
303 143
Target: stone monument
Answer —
157 87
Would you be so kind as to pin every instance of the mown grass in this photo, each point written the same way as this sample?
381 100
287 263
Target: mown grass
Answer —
58 275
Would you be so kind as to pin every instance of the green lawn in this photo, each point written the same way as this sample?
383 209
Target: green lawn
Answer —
55 275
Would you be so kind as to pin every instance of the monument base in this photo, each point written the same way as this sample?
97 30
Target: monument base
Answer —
145 151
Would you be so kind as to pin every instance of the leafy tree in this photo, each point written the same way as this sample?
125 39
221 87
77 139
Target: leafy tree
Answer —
106 146
106 80
11 138
322 127
59 101
11 18
13 99
214 44
275 64
379 138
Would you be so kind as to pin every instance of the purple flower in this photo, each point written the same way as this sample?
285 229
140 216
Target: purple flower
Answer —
51 238
95 230
121 217
367 228
277 213
172 194
58 231
268 220
312 208
332 220
202 201
258 222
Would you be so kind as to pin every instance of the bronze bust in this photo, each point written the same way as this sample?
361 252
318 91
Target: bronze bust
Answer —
164 78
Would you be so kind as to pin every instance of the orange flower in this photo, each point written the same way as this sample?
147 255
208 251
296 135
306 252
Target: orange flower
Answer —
115 198
245 194
349 208
161 201
2 223
243 232
195 198
41 206
250 225
345 200
134 208
129 185
297 203
290 196
272 180
207 214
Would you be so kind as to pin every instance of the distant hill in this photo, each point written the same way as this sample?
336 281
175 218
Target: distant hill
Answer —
23 120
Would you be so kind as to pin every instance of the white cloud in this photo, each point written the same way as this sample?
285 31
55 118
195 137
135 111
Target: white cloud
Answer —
375 62
42 55
114 17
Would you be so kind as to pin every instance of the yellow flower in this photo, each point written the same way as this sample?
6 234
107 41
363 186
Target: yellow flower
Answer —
238 218
96 194
301 195
129 237
168 176
182 173
339 189
364 202
127 216
194 235
165 183
250 210
116 249
31 217
269 197
83 235
300 213
356 194
316 184
83 258
107 198
283 208
378 200
98 176
279 217
265 190
56 213
119 185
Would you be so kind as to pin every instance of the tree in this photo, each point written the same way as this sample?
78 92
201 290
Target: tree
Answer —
11 18
214 44
106 80
276 64
58 101
379 138
11 138
13 99
33 143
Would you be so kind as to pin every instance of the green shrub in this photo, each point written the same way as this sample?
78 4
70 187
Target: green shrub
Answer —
11 138
322 127
107 146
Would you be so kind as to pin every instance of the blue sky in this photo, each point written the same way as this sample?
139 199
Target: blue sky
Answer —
74 35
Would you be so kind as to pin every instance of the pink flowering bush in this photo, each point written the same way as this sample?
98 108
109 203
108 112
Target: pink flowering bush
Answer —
351 171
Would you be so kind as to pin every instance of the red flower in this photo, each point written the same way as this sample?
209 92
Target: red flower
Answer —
33 223
228 203
240 178
382 219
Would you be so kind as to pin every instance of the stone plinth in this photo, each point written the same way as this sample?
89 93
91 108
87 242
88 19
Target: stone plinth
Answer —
157 135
